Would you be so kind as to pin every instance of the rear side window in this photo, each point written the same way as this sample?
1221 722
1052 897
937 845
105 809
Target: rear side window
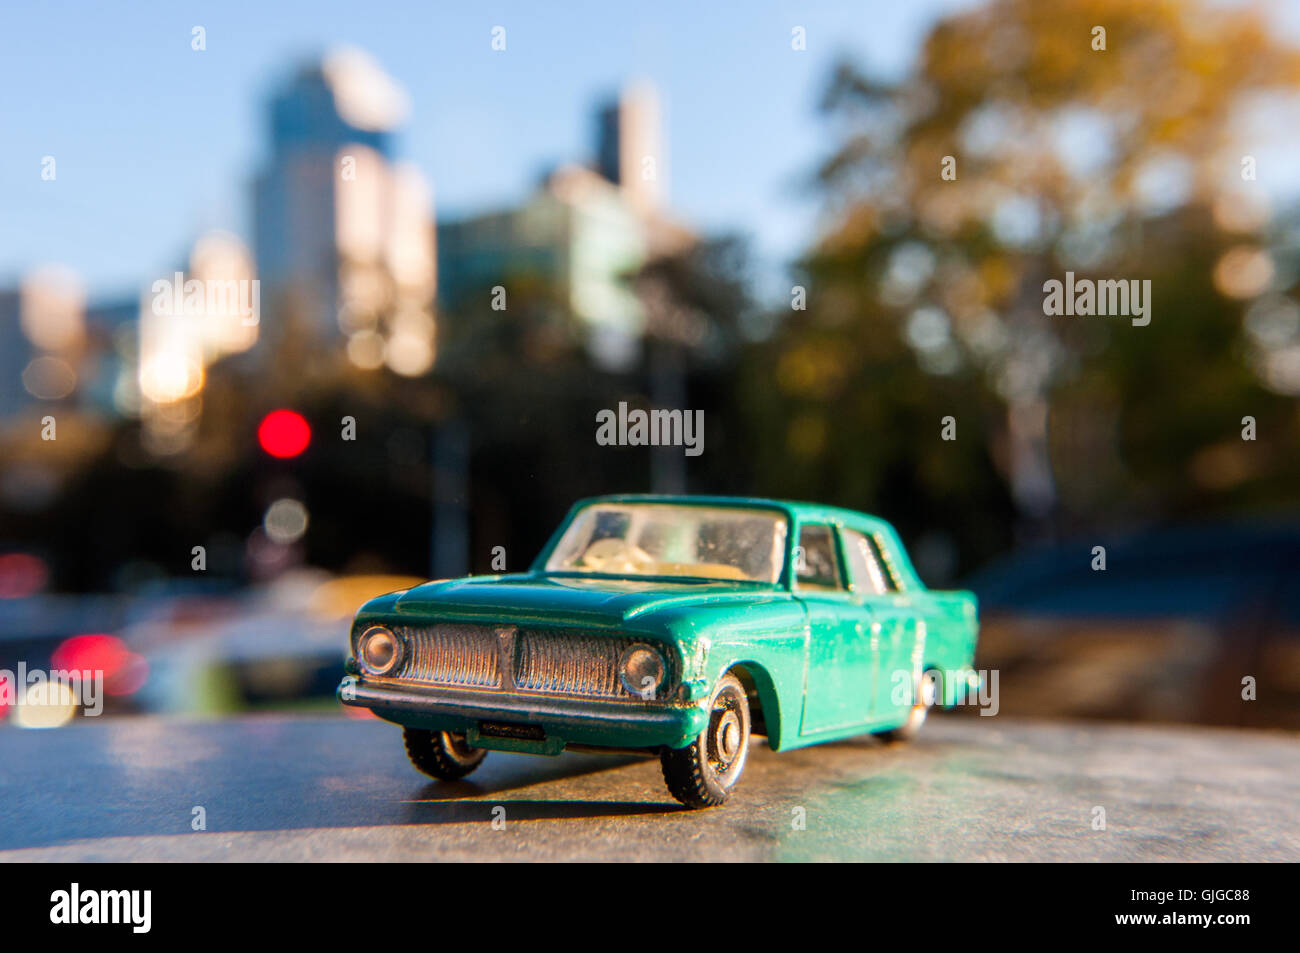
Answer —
816 565
867 569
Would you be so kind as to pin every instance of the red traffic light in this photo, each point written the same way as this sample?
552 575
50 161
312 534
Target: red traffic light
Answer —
284 433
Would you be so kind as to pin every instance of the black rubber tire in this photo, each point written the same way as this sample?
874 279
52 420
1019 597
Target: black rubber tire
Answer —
691 773
441 754
915 718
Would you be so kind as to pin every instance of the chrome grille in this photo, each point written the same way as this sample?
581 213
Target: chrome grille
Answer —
465 655
552 661
569 663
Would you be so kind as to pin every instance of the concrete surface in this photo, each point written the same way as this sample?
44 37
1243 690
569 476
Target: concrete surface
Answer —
338 789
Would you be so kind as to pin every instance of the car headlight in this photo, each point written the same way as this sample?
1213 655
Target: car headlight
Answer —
642 671
379 651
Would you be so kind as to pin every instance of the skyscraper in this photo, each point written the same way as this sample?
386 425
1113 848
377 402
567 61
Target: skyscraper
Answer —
584 230
343 236
42 339
629 146
15 353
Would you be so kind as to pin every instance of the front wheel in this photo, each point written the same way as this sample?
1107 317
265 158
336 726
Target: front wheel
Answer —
703 773
441 754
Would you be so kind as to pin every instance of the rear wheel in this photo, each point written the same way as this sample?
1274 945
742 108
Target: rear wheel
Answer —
441 754
703 773
926 693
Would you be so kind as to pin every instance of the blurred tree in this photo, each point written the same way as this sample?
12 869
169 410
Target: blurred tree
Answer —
697 303
524 384
1101 137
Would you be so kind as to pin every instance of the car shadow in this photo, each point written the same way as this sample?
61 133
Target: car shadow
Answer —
501 775
473 799
490 811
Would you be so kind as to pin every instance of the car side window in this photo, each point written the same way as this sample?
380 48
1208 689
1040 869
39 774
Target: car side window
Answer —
816 565
866 564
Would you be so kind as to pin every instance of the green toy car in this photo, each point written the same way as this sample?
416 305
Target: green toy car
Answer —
676 626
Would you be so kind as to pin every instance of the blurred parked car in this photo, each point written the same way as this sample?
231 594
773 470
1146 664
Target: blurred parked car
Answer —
1167 631
281 645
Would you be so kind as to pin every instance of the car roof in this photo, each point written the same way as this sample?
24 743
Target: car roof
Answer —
792 509
804 512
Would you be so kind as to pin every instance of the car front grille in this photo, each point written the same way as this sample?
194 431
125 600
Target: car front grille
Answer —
462 655
569 663
553 662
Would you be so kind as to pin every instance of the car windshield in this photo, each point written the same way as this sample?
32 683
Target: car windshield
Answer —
666 539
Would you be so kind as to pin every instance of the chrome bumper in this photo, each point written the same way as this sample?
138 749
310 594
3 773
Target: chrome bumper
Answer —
501 720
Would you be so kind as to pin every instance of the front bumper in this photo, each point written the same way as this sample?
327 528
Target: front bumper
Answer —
538 724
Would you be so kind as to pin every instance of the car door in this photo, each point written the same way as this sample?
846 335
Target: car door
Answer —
840 672
893 623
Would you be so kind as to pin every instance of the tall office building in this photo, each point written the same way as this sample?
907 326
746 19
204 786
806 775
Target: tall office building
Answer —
343 233
15 353
190 318
584 230
629 146
42 339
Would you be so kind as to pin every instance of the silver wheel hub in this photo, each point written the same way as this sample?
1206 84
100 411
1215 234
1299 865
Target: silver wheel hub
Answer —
726 737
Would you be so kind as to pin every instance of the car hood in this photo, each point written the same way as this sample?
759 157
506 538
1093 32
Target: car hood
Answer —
591 601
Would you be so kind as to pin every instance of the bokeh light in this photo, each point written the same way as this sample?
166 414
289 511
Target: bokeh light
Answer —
1244 272
45 705
124 671
284 433
21 575
285 521
49 378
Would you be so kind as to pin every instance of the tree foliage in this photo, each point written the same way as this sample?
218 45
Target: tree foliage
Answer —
1026 143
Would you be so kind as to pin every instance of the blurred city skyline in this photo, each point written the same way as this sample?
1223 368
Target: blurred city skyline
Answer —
119 220
740 120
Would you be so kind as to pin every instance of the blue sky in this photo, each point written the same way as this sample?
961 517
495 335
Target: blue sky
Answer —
155 142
